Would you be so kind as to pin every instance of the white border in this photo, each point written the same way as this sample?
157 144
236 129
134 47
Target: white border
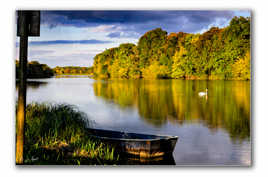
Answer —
259 89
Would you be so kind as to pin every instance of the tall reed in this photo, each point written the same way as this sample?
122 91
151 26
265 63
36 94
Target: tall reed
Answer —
57 134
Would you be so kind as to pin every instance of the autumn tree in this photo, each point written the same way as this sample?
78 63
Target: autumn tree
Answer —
219 53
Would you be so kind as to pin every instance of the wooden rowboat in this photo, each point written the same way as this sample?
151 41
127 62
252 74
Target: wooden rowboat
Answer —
134 144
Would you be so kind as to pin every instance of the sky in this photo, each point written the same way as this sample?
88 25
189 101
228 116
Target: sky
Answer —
73 38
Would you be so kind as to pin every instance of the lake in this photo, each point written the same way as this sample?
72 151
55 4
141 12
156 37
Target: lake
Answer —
212 130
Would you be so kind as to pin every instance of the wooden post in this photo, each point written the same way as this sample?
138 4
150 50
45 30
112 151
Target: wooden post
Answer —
25 21
22 87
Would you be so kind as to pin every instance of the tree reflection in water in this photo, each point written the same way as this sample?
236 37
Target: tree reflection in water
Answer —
33 84
158 101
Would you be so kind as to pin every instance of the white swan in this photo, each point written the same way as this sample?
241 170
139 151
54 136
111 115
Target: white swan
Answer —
203 93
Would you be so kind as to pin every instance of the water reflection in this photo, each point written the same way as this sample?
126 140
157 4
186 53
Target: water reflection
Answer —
160 101
33 84
165 160
215 131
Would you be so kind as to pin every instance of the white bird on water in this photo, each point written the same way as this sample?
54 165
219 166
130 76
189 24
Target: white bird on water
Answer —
201 94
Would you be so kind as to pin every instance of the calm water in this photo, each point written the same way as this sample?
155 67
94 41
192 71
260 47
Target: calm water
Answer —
212 131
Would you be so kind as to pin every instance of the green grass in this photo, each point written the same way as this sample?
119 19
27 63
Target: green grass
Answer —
56 134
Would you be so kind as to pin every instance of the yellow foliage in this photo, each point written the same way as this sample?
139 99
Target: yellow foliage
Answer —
241 68
123 72
182 51
178 62
156 71
195 39
114 69
171 35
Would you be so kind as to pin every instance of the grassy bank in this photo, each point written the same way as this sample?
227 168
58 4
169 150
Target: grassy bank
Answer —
56 134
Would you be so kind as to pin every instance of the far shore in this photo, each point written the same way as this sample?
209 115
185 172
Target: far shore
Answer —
72 75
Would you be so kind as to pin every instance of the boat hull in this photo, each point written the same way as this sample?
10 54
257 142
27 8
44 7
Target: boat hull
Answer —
137 145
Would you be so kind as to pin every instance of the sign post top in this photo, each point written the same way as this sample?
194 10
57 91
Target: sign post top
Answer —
28 23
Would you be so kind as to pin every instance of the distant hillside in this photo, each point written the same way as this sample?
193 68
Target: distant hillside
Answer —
216 54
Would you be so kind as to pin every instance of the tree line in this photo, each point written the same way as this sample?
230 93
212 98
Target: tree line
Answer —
37 70
219 53
73 70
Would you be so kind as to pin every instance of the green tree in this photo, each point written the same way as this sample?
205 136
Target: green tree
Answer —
215 54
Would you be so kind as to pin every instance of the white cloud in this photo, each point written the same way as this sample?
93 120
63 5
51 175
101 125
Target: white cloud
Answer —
104 28
219 22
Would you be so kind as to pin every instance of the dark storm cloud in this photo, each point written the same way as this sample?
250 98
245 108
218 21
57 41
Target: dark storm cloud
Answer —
55 42
139 21
104 17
